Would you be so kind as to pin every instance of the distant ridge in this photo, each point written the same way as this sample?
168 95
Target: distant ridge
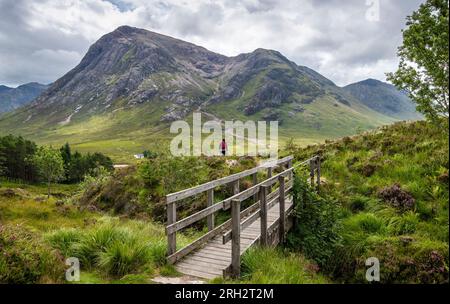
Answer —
384 98
13 98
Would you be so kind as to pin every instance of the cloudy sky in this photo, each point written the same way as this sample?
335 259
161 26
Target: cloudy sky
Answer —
345 40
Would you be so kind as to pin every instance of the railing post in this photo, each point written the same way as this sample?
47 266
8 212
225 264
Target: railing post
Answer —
263 214
269 172
311 170
290 166
171 237
235 187
235 238
210 202
255 182
318 172
282 209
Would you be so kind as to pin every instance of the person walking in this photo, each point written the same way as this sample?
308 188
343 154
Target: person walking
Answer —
223 147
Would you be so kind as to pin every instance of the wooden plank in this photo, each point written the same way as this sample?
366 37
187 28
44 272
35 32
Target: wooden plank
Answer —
282 206
201 264
171 237
255 182
198 242
210 202
212 257
236 238
210 260
253 217
189 220
173 197
311 171
318 172
197 273
263 215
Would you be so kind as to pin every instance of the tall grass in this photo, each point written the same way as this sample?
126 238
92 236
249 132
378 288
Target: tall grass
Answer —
115 247
273 266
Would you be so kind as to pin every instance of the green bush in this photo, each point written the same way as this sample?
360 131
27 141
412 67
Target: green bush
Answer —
25 259
316 231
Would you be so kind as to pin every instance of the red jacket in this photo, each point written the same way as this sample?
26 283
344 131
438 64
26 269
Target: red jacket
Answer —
223 145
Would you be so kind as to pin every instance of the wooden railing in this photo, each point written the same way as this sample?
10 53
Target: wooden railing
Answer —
264 199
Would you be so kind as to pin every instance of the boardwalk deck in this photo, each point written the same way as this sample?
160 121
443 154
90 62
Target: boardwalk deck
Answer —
214 258
218 252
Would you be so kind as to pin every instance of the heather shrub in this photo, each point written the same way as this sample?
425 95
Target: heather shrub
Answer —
397 197
25 259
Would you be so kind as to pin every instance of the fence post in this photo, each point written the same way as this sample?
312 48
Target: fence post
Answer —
235 187
210 202
290 166
311 170
255 182
318 172
171 237
235 238
269 172
282 209
263 214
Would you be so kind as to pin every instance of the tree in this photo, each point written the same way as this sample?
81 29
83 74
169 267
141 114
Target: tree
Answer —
50 164
66 155
423 70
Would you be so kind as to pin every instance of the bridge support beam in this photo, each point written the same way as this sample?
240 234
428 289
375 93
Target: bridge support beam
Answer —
235 238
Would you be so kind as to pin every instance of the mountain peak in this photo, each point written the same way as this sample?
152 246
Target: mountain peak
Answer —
371 82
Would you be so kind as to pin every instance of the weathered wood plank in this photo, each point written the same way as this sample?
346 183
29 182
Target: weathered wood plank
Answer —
282 206
198 273
236 238
263 214
210 202
171 237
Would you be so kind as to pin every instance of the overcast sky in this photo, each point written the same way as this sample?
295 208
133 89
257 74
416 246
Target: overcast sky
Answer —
345 40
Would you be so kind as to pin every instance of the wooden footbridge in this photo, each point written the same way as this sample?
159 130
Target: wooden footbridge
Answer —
265 220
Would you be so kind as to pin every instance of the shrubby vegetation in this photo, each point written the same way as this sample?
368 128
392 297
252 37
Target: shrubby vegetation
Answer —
25 258
24 160
397 213
140 191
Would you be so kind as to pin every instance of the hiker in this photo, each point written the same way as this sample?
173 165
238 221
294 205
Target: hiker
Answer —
223 147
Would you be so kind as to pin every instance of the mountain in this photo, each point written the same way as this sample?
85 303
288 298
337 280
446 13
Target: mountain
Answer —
132 83
13 98
384 98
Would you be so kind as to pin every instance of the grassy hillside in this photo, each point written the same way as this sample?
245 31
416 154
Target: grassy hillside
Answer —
384 194
391 190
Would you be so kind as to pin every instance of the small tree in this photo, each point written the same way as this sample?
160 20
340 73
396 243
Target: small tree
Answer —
50 165
423 71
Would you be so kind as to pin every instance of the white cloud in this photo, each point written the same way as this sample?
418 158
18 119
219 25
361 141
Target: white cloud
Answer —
330 36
